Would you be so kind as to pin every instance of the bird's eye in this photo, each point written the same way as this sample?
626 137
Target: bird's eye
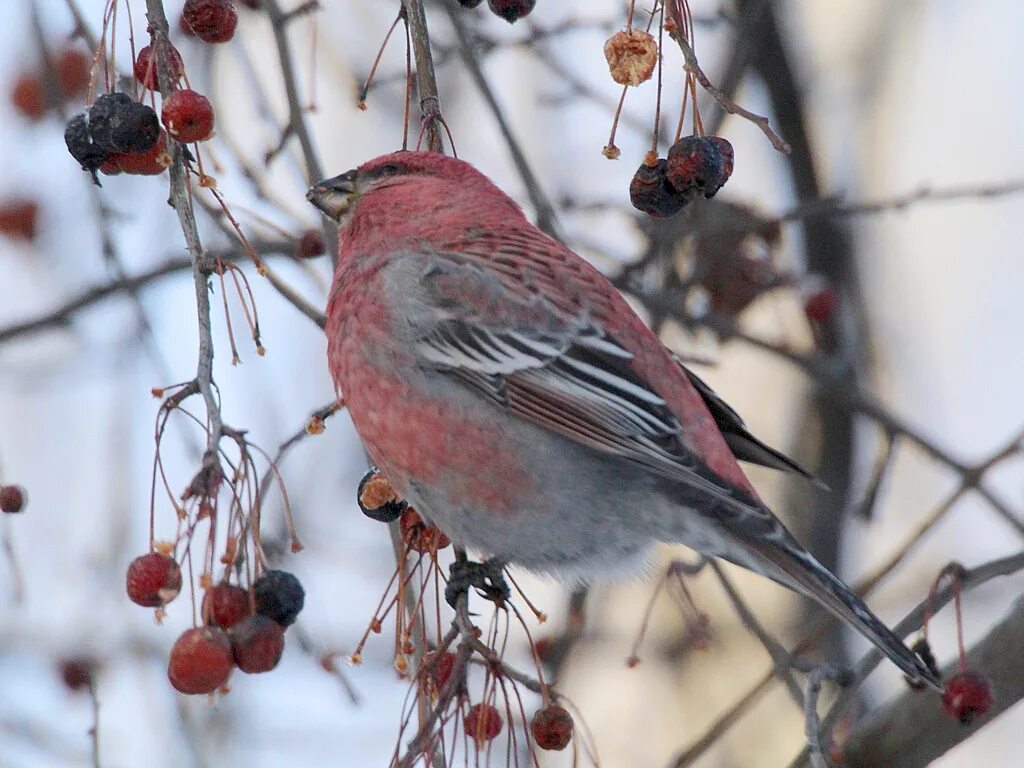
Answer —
388 170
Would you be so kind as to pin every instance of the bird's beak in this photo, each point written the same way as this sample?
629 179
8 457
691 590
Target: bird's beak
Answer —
335 196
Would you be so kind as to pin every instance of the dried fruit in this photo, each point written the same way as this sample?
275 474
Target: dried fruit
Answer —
279 596
19 218
552 727
145 67
699 164
212 21
257 643
73 70
511 10
377 498
967 694
150 163
200 660
436 669
77 672
311 245
651 192
12 498
188 116
153 580
418 535
81 146
224 605
632 55
483 722
118 123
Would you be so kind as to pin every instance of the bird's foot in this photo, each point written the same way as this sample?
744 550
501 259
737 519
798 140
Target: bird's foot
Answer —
487 578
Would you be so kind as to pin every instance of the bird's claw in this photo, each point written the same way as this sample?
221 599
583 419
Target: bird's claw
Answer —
487 578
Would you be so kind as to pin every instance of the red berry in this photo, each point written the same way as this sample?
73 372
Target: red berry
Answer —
257 643
483 722
12 498
188 116
966 695
311 245
511 10
73 69
29 96
212 21
19 218
420 536
699 164
153 580
821 305
552 727
224 605
200 660
77 672
152 162
436 669
145 67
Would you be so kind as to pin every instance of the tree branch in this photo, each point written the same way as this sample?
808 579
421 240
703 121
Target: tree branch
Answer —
426 82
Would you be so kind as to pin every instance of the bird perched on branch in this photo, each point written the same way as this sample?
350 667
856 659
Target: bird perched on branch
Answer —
512 396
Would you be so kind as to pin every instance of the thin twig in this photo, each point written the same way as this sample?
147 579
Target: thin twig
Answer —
426 81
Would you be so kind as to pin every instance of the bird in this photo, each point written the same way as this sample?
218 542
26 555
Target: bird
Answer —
509 392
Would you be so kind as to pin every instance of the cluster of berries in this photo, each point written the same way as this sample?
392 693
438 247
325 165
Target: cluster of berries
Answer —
510 10
241 628
695 165
31 95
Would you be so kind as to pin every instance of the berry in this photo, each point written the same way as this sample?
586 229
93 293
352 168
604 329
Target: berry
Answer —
552 727
200 660
699 164
436 669
418 535
19 218
153 580
483 722
149 163
188 116
821 305
728 155
81 146
12 498
279 596
224 605
29 96
77 672
651 192
631 55
966 695
117 123
511 10
311 245
257 643
73 70
212 21
145 67
470 3
378 499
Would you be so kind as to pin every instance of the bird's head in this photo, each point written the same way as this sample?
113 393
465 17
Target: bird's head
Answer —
397 172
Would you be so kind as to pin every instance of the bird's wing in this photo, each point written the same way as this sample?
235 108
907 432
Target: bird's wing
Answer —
558 369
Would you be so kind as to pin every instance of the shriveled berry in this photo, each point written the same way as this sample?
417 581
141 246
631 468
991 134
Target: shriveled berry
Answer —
311 245
145 66
631 55
377 498
77 672
257 643
73 69
212 21
153 580
728 155
29 96
118 123
483 722
651 192
420 536
81 146
967 694
12 498
552 727
152 162
511 10
200 660
436 669
279 596
188 116
697 164
19 218
224 605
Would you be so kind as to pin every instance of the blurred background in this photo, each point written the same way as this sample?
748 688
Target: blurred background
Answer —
871 299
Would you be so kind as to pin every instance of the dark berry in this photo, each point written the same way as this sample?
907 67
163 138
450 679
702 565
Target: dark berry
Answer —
188 116
418 535
77 672
650 191
212 21
436 669
224 605
29 96
728 155
966 695
118 123
73 69
19 218
152 162
552 727
699 164
145 67
511 10
12 498
200 660
81 146
378 499
483 722
257 643
311 245
470 3
279 596
153 580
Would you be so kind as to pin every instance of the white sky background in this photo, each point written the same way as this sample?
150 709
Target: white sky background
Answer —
922 94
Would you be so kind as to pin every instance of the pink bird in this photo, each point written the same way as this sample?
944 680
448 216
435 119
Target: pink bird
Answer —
512 396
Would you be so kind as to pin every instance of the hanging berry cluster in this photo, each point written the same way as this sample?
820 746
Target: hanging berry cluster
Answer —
509 10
